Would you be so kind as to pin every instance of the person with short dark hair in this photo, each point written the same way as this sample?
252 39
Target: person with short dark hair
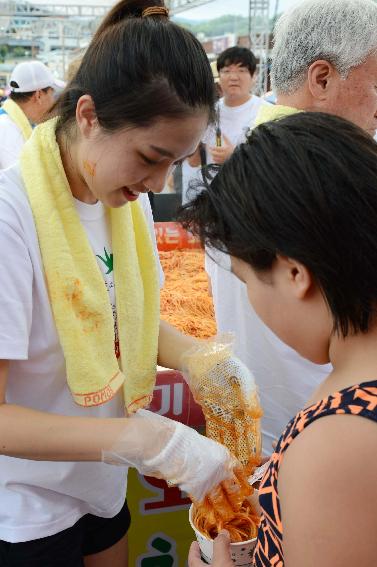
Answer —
32 89
325 59
237 56
301 237
235 113
238 107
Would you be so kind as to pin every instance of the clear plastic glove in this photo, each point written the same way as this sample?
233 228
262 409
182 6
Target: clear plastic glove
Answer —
226 391
160 447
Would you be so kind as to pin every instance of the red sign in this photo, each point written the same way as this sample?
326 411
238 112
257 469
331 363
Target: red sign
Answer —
171 236
172 398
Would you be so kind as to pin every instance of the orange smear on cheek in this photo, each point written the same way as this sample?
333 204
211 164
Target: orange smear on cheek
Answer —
89 167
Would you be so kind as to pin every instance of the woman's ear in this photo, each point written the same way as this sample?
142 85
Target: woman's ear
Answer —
86 116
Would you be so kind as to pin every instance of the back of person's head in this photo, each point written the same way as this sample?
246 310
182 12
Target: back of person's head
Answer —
29 77
342 32
140 66
237 56
24 97
303 187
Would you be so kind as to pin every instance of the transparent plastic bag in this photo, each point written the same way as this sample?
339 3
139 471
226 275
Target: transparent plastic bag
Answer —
226 391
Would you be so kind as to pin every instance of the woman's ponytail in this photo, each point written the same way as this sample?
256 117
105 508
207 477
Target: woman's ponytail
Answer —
128 9
140 66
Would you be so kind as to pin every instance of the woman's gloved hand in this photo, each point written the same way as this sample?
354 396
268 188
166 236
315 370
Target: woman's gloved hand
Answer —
226 391
160 447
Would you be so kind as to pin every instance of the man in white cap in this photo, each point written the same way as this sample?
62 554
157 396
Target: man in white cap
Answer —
32 95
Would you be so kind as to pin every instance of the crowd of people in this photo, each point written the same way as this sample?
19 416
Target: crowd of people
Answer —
284 200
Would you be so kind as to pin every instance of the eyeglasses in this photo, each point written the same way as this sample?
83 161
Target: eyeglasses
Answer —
226 72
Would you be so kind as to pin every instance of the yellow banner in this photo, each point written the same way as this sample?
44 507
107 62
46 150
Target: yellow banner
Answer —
160 534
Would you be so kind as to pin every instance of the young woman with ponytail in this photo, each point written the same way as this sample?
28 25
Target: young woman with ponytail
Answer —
80 334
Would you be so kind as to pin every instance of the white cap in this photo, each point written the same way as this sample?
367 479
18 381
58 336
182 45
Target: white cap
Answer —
32 76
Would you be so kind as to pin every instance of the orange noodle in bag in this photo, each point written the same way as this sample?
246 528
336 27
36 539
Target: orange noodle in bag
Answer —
226 391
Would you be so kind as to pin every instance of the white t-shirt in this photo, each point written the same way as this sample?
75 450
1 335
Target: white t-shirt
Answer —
190 175
285 380
235 122
38 499
11 141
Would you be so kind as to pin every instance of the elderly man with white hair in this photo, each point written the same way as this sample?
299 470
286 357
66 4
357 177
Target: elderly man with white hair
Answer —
325 59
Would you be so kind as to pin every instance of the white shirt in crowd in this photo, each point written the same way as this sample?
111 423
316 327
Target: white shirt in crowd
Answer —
235 122
38 499
11 141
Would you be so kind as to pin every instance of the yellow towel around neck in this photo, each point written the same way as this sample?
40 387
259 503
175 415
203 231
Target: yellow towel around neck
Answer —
17 115
78 296
273 112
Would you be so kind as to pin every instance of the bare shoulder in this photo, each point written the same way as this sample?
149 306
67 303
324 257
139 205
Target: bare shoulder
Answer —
328 494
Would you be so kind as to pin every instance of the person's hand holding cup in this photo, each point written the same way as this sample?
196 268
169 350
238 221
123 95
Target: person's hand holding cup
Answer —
221 552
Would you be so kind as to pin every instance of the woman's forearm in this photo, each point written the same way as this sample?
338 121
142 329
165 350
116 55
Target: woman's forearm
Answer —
30 434
42 436
172 344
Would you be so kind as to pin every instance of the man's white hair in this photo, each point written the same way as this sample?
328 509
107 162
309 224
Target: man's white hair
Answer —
343 32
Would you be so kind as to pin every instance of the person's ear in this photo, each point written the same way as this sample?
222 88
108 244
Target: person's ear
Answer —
86 116
321 76
37 97
297 276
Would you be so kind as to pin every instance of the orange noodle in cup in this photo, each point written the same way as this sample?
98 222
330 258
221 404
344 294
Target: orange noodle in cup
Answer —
226 391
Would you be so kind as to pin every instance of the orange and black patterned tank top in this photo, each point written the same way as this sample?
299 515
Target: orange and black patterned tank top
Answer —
358 400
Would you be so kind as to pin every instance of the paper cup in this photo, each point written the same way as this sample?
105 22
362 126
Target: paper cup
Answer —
241 553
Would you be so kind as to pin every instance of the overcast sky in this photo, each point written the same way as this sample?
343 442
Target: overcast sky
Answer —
221 7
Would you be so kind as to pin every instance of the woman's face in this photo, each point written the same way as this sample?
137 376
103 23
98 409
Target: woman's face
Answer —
116 167
291 305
